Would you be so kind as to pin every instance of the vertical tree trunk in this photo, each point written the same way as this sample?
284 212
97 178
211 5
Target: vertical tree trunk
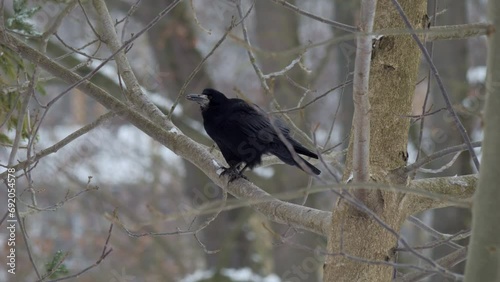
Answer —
392 83
483 260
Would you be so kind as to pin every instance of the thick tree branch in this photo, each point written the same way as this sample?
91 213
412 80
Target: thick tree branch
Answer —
460 31
168 135
460 187
110 38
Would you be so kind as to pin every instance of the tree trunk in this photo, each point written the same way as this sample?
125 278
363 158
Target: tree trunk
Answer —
394 72
484 257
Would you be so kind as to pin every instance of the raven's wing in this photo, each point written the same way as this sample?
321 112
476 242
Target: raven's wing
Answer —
254 123
238 130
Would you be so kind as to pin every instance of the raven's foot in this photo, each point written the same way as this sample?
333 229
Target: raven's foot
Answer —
233 173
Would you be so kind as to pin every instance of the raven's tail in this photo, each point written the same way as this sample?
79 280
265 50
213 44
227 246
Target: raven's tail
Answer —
299 149
313 168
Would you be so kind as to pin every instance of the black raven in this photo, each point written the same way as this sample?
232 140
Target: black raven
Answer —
244 133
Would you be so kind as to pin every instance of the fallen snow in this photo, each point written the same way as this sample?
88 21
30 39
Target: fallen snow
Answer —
242 274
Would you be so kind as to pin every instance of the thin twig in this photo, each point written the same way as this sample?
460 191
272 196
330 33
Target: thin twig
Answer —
21 118
59 204
284 70
68 139
130 12
105 252
221 207
89 22
26 241
427 94
57 22
447 238
442 168
250 54
424 114
338 25
77 50
447 261
313 100
432 231
202 62
127 43
262 79
439 154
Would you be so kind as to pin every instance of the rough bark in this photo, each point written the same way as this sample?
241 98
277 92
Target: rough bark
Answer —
394 70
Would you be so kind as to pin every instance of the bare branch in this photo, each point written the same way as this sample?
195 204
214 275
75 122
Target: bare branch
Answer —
104 254
68 139
460 31
459 187
437 155
53 28
251 56
301 107
202 226
22 226
20 121
202 62
432 231
361 119
315 17
168 135
134 93
447 261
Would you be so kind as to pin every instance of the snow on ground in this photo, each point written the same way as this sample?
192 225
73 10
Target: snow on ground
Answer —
476 75
242 274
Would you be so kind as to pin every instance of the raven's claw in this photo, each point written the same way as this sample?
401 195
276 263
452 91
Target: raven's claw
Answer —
233 173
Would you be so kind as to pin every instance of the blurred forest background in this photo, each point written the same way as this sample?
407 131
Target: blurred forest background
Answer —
151 189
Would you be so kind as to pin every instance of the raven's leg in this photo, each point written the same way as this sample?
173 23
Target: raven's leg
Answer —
233 173
243 169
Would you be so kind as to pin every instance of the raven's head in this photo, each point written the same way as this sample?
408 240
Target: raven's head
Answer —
209 97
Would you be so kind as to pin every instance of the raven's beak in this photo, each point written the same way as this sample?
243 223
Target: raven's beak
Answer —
199 98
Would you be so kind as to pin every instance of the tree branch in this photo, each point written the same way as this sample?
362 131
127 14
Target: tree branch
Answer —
168 135
460 187
68 139
361 119
460 31
447 261
450 150
338 25
134 93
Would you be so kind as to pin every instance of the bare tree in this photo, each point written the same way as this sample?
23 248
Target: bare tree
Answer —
377 195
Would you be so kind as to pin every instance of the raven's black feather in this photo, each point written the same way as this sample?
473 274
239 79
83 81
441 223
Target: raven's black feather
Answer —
244 133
